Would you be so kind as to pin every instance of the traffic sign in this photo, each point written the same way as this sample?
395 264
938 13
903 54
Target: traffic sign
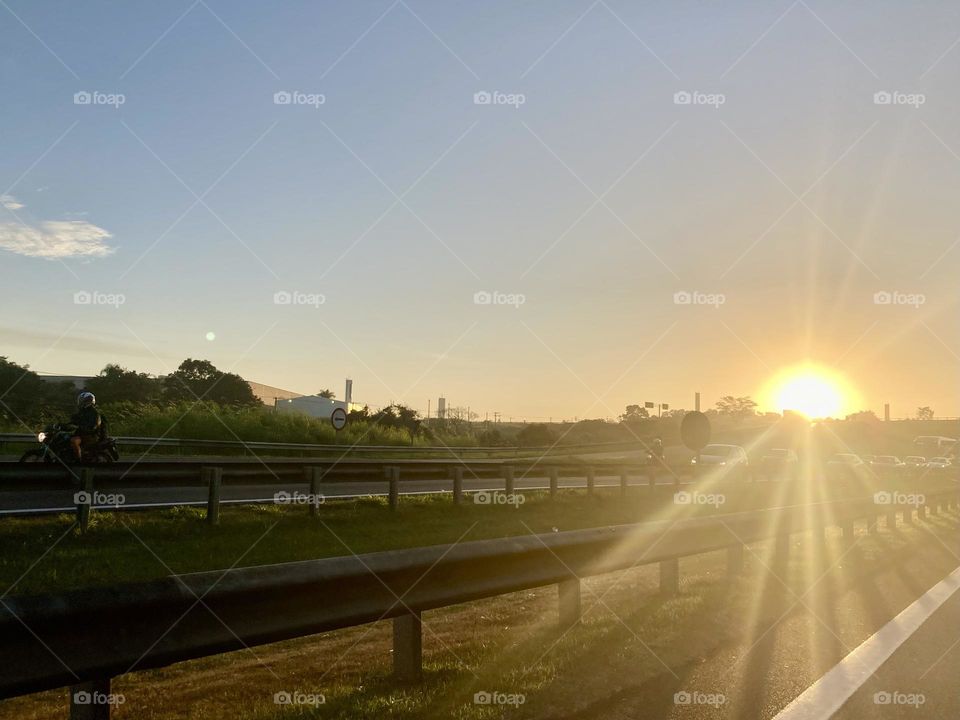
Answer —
338 418
695 430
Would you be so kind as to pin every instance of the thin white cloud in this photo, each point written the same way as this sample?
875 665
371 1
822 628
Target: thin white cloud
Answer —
55 239
10 202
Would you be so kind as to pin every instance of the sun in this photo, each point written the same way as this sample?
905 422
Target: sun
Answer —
810 390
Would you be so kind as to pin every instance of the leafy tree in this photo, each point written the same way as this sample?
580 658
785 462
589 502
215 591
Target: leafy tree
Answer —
116 384
490 438
738 407
925 413
27 399
866 415
201 379
398 416
635 413
359 415
326 393
536 435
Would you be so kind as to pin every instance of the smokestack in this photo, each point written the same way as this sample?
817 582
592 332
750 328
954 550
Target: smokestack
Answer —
348 393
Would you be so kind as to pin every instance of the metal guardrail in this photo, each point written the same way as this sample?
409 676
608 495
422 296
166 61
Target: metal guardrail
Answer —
253 446
283 472
91 636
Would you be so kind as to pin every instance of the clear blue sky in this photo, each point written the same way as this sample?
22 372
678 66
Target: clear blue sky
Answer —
696 198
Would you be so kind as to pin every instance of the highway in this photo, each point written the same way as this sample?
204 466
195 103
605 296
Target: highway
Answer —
35 502
856 639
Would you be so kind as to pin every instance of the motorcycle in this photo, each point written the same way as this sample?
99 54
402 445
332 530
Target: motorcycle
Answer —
55 447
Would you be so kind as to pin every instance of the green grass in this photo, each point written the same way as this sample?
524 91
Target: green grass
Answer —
48 554
130 546
510 643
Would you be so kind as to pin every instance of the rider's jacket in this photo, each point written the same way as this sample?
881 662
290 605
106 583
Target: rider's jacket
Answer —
88 420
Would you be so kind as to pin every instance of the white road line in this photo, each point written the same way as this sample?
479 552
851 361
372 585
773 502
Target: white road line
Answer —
822 699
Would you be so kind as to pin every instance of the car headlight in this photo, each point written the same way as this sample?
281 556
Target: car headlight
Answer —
41 437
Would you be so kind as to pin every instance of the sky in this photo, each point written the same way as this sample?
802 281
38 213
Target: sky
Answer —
543 209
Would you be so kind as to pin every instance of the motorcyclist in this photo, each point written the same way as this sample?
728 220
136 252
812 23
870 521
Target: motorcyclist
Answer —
656 451
89 422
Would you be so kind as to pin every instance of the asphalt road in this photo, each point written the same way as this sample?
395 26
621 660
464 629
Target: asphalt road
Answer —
797 641
922 677
62 500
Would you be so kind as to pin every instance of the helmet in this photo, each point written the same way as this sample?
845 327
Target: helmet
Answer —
85 399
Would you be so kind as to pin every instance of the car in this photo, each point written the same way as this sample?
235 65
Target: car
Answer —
939 467
845 466
935 442
913 465
727 459
868 458
779 462
888 466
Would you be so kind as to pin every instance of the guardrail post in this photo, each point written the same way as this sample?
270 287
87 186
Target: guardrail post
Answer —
85 494
591 480
569 597
670 577
907 516
88 701
735 559
508 481
651 477
921 512
554 481
935 506
457 485
624 482
891 520
316 477
394 488
214 478
408 646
